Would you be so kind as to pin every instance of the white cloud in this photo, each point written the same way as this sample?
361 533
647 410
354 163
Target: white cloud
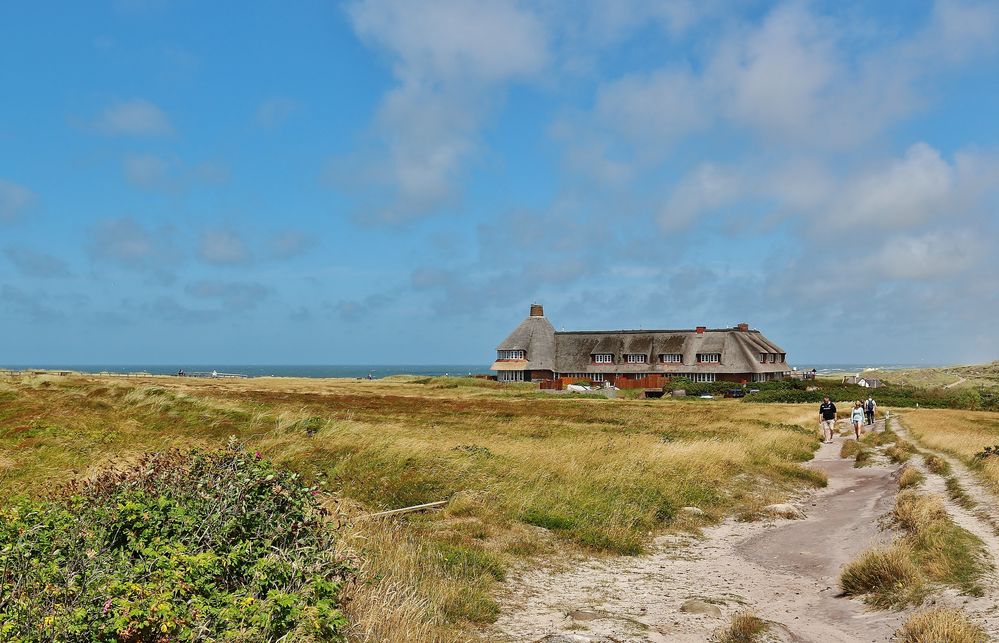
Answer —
14 200
146 170
710 186
130 244
451 60
223 247
930 256
906 192
136 117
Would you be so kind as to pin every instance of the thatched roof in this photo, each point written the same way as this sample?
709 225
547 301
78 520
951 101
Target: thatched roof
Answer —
572 351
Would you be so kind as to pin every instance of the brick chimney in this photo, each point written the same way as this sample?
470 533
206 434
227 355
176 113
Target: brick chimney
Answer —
700 330
537 310
744 327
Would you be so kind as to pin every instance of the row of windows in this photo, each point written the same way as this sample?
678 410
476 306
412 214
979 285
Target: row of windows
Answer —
593 377
511 355
511 376
773 358
664 358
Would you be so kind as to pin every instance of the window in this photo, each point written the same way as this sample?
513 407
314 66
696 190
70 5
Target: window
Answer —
671 358
596 377
511 376
603 358
635 359
761 377
709 358
511 354
763 358
783 356
773 357
703 377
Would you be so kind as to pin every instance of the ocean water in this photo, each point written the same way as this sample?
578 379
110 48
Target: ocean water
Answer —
362 370
271 370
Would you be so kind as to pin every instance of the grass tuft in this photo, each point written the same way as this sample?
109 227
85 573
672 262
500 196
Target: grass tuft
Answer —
850 449
745 627
937 465
909 477
942 625
885 576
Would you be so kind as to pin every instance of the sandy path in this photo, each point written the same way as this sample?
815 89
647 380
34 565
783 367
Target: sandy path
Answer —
982 520
784 571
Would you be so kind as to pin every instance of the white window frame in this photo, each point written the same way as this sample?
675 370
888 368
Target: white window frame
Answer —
773 358
761 377
636 358
517 354
702 377
603 358
763 358
596 377
709 358
671 358
511 376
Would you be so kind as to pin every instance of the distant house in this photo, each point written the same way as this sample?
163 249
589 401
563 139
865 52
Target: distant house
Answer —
869 382
536 351
850 379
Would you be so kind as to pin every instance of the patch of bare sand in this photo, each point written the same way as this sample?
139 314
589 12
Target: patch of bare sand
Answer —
785 571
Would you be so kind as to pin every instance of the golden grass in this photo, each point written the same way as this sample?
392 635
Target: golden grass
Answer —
909 477
942 625
959 433
936 464
885 576
745 627
527 475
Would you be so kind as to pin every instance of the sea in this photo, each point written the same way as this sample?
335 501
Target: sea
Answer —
361 370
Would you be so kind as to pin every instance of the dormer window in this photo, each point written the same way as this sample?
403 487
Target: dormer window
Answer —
633 358
773 358
763 358
671 358
511 354
709 358
603 358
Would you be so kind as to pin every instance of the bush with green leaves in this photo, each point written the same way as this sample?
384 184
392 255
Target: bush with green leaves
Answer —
218 545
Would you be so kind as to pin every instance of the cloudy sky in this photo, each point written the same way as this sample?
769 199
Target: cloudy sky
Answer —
382 181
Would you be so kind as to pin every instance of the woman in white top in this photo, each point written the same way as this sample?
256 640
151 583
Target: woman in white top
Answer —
858 418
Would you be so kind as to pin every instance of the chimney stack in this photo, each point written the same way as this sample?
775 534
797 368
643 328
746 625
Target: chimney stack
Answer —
537 310
701 329
744 327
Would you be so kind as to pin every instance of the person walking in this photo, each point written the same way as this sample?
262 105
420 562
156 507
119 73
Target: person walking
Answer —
827 419
858 418
869 407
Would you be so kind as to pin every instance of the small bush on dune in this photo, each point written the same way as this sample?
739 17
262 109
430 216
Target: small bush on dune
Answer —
207 545
899 452
940 626
915 511
886 576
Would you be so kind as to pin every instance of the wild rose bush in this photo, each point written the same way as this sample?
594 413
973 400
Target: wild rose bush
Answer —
201 546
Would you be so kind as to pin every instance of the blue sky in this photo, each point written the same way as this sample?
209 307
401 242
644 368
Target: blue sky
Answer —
384 181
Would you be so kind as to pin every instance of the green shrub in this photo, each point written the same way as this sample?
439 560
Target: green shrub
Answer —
205 545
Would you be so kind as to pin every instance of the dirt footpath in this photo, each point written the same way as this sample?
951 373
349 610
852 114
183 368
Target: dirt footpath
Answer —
785 571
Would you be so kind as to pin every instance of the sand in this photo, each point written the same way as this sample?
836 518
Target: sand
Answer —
784 571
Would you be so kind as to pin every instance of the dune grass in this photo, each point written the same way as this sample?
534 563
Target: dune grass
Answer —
933 550
909 477
526 476
745 627
963 434
941 625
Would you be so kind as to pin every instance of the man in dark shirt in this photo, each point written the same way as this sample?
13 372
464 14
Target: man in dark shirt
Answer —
827 419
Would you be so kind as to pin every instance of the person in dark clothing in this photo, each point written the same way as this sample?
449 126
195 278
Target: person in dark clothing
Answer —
827 419
869 407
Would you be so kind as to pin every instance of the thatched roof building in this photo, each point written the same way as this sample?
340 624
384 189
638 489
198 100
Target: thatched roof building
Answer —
536 351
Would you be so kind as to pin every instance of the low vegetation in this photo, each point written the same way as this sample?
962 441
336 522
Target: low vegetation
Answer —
909 477
745 627
964 434
524 475
197 546
936 464
942 625
933 549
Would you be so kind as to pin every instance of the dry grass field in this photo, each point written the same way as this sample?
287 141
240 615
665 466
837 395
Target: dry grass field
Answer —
960 433
528 477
